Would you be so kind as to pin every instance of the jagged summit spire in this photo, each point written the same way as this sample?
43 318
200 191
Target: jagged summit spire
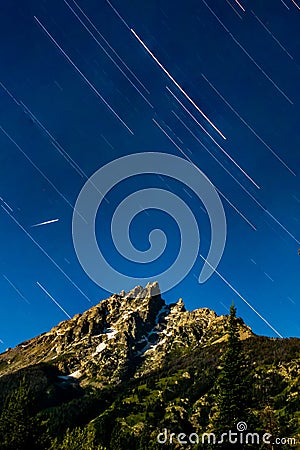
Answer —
151 290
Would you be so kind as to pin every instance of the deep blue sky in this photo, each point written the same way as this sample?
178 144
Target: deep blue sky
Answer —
263 264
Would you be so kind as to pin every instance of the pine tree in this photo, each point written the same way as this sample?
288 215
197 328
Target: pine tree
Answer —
232 399
77 439
16 422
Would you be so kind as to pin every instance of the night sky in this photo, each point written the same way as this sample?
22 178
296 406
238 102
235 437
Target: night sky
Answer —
79 89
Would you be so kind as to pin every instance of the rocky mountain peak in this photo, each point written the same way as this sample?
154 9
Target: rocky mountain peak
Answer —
126 334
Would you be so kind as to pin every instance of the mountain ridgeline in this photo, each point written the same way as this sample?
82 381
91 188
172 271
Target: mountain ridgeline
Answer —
132 369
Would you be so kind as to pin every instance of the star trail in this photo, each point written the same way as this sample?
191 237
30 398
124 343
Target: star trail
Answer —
84 83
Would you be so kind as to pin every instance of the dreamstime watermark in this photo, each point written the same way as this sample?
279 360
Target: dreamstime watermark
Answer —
103 180
236 437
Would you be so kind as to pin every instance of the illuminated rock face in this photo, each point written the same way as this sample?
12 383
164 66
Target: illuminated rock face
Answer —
127 334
